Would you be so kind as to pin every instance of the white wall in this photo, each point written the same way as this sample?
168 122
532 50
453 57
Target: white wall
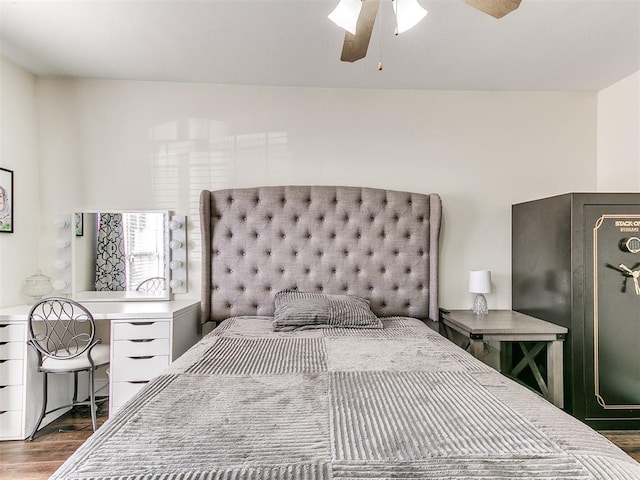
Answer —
151 145
18 152
61 170
619 136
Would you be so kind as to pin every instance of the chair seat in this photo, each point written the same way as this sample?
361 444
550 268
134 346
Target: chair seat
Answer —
99 355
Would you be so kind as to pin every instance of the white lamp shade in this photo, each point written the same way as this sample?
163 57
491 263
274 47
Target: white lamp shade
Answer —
408 14
346 14
480 281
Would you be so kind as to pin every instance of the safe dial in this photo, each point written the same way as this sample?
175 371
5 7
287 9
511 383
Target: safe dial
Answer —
631 245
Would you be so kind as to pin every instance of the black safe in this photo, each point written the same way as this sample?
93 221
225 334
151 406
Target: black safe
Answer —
576 263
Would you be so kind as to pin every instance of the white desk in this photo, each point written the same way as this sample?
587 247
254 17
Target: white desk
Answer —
145 337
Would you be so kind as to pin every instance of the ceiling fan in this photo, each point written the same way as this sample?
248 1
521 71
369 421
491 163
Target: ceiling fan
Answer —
358 16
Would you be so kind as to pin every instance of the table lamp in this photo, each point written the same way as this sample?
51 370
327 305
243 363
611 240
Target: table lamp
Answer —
480 283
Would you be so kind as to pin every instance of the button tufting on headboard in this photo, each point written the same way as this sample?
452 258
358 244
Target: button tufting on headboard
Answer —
380 244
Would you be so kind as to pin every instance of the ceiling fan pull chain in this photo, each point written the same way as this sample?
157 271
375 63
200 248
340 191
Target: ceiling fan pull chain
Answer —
380 65
397 8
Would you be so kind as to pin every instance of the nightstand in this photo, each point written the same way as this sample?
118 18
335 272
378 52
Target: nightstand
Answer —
509 327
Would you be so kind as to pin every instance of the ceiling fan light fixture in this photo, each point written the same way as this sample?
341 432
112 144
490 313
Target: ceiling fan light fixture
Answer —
495 8
408 14
346 14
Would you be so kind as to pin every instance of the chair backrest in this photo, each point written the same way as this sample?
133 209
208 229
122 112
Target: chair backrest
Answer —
151 285
61 328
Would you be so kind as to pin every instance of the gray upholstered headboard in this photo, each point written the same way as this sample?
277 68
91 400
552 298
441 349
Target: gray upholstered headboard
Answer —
380 244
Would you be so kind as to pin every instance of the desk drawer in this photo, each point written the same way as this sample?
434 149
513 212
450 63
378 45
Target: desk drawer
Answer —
140 330
123 391
11 397
12 333
10 424
9 350
11 372
127 369
139 348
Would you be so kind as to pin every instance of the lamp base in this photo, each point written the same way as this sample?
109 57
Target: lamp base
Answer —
480 305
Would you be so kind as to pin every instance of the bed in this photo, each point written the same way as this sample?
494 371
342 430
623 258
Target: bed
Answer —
322 365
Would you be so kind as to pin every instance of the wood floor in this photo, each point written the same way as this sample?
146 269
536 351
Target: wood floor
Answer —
37 460
627 440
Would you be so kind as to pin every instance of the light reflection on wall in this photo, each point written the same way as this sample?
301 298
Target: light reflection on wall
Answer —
200 154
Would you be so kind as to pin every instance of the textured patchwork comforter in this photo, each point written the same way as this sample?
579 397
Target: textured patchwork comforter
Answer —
403 402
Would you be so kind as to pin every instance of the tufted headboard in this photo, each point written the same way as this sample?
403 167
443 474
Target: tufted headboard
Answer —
379 244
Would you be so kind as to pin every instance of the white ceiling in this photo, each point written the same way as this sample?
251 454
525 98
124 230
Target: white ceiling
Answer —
574 45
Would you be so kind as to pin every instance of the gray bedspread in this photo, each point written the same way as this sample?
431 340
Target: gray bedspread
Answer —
403 402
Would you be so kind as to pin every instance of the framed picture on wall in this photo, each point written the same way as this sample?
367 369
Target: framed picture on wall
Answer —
79 223
6 200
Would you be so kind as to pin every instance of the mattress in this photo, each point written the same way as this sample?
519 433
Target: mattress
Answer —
401 402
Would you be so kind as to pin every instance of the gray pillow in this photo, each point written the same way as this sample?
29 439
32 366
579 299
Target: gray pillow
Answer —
297 310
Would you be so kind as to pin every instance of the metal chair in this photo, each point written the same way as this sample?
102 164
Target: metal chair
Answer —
152 285
62 332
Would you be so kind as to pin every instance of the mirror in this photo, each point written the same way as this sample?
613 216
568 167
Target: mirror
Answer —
121 256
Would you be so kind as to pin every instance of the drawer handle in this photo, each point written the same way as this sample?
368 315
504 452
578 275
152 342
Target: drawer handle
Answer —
142 340
142 357
2 361
137 382
141 324
3 343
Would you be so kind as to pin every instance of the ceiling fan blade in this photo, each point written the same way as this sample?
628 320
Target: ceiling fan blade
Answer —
495 8
355 46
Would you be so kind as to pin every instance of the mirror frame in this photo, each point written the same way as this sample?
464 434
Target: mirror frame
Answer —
119 296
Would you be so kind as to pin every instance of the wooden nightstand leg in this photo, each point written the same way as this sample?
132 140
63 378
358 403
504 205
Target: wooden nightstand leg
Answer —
476 348
555 364
506 357
447 331
450 334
